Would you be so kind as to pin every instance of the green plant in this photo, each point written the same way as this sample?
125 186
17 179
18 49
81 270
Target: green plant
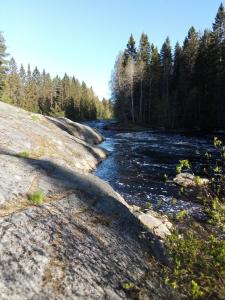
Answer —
198 265
35 117
182 214
183 164
148 205
197 255
128 285
174 201
197 180
165 178
36 198
24 154
159 203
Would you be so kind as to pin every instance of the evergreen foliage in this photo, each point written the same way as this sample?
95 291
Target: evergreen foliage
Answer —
183 88
3 63
37 92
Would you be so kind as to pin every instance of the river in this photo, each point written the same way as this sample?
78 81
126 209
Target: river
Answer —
138 161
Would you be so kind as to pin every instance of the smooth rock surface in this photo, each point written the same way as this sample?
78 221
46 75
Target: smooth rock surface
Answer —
158 226
83 241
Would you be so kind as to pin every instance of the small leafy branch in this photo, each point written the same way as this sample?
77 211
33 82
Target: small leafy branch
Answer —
197 255
183 165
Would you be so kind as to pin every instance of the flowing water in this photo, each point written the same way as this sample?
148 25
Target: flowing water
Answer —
138 161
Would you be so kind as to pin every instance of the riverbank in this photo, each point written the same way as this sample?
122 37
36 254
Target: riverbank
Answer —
131 127
64 232
196 247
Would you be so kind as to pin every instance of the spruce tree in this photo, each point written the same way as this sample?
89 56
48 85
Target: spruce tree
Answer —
154 104
12 89
189 54
143 70
218 66
131 50
22 74
176 100
166 72
3 63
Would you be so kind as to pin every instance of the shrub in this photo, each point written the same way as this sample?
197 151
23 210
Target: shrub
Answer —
197 253
198 265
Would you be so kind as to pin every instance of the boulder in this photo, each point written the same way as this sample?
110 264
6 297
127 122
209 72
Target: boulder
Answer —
189 180
157 224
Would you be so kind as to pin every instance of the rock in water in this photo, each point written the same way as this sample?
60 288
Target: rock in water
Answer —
65 234
189 180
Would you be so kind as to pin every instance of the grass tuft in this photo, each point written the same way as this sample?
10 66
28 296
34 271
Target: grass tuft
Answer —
36 198
24 154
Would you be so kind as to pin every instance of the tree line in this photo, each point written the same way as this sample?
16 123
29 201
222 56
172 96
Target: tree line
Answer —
184 88
36 91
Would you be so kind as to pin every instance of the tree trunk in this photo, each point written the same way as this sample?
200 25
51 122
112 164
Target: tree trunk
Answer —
141 102
132 103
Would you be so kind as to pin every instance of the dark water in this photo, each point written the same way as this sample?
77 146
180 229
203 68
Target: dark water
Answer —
138 161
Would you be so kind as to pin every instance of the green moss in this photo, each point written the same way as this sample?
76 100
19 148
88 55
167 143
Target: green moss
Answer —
36 198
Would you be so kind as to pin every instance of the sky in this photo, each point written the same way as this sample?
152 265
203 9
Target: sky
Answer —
84 37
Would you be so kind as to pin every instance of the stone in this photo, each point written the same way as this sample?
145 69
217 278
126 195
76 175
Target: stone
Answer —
189 180
158 225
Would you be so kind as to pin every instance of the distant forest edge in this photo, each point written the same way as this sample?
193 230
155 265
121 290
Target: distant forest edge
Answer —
184 88
38 92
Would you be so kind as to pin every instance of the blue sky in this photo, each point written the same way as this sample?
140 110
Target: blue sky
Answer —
83 37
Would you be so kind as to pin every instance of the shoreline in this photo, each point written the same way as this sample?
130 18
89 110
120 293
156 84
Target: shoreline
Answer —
124 127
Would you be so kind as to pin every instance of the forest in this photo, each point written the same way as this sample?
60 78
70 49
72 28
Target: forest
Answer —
36 91
170 89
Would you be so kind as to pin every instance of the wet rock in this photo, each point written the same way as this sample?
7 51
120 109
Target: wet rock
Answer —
189 180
